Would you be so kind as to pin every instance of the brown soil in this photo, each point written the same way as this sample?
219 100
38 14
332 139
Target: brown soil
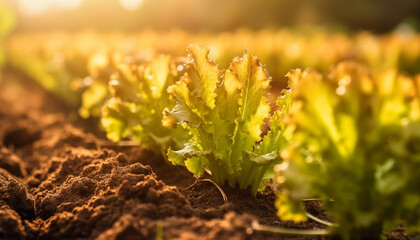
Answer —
57 182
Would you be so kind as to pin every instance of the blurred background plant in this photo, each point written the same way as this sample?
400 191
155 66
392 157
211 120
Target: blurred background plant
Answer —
7 22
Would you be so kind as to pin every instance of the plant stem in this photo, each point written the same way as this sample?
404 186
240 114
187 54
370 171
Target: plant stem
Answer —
225 199
287 231
214 169
318 220
257 180
246 174
224 196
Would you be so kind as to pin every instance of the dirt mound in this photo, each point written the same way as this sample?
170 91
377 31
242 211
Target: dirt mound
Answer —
97 192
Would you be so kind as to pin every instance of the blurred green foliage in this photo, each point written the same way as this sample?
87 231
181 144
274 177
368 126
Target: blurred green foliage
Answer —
356 147
138 99
7 23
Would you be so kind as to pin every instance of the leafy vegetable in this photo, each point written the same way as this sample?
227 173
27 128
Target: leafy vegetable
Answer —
356 141
138 100
95 86
224 112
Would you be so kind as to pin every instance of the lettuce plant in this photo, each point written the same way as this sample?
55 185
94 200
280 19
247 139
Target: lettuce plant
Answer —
356 147
95 86
224 112
135 110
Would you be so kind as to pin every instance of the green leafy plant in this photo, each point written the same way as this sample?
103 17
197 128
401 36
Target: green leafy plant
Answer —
139 97
52 61
224 112
356 147
101 65
94 87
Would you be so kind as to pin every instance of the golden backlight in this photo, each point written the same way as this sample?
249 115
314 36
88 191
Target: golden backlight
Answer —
37 7
131 5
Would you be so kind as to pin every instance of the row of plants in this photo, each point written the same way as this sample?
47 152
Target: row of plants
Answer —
77 66
348 137
204 117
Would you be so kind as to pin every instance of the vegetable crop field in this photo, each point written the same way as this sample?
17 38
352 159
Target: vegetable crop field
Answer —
157 120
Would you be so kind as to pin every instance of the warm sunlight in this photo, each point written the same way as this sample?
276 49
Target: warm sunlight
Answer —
35 7
210 119
131 5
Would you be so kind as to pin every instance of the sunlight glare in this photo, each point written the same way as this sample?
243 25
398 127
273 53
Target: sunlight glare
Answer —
131 5
68 4
36 7
31 7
